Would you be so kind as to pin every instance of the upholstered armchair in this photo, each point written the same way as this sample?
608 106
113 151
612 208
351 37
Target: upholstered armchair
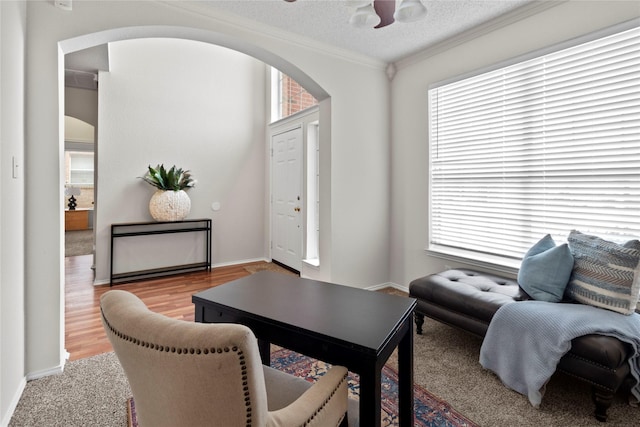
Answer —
193 374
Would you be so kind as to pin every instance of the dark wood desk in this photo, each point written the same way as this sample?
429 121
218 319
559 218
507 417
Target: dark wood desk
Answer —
337 324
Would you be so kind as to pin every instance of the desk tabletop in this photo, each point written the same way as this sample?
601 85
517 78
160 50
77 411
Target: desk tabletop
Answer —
354 316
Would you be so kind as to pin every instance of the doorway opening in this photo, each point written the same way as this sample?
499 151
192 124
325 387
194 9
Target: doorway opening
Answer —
71 46
79 189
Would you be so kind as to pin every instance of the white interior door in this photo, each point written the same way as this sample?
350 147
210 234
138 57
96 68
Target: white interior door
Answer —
286 197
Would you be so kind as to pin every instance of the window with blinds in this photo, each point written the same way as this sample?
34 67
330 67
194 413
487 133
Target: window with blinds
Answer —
543 146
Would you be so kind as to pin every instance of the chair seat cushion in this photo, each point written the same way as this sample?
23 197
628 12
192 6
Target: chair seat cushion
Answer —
288 388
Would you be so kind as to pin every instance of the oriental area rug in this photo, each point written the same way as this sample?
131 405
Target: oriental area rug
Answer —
429 410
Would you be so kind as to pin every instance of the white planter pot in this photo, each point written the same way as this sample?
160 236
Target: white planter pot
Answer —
169 205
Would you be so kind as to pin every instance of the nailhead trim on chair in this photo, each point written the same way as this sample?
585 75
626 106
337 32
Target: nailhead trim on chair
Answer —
206 351
326 401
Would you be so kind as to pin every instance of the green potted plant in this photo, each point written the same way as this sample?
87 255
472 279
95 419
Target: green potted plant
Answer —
173 179
170 202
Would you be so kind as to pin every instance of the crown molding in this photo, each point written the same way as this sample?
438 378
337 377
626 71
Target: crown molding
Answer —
259 30
480 30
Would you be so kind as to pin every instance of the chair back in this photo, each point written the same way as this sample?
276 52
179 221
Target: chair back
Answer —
184 373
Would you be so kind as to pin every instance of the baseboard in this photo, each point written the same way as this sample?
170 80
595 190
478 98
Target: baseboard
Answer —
222 264
14 403
31 376
245 261
388 285
248 261
45 372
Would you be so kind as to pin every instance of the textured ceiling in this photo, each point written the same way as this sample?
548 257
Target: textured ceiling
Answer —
326 21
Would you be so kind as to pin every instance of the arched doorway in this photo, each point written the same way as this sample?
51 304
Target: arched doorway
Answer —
154 32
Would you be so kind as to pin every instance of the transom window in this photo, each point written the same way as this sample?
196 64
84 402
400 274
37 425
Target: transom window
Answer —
288 97
545 145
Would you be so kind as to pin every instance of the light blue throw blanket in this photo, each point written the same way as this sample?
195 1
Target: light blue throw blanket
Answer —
525 341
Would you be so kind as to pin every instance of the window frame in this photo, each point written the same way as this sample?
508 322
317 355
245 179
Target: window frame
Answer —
76 155
488 260
281 108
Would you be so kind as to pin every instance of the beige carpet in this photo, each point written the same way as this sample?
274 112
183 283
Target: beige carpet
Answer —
78 242
446 364
94 391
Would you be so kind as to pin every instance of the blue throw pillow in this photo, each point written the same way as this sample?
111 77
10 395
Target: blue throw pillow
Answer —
545 270
606 274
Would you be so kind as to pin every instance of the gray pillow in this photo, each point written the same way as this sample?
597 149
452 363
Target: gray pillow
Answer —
545 270
605 274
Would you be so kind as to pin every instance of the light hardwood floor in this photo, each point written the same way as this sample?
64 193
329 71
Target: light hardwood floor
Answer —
171 296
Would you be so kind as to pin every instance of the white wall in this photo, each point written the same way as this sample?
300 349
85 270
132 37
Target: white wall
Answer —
355 236
192 104
81 104
355 149
12 225
409 106
75 130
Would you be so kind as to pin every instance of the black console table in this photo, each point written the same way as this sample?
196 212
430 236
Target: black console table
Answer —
160 227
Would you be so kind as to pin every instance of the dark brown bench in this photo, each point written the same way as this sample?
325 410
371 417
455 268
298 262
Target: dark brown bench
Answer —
468 300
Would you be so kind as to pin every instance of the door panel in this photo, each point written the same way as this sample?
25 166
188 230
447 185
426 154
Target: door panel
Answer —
287 203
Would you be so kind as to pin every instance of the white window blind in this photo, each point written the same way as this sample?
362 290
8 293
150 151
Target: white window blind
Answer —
547 145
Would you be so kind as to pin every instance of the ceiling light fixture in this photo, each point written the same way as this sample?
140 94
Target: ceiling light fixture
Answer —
410 11
380 13
365 17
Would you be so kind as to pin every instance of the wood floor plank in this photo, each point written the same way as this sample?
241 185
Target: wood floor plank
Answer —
171 296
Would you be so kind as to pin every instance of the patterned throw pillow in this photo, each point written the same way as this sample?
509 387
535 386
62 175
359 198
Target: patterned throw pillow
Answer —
545 270
605 274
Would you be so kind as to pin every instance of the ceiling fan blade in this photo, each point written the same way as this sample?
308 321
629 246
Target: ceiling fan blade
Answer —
385 9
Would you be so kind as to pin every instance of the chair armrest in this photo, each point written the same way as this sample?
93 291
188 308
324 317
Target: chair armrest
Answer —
323 404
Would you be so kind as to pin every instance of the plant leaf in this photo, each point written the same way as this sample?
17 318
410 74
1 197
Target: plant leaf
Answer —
173 179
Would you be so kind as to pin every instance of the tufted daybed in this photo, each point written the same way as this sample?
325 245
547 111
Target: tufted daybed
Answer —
468 300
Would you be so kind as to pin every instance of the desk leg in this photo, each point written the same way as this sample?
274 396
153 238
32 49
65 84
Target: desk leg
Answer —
370 396
405 377
265 351
199 313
